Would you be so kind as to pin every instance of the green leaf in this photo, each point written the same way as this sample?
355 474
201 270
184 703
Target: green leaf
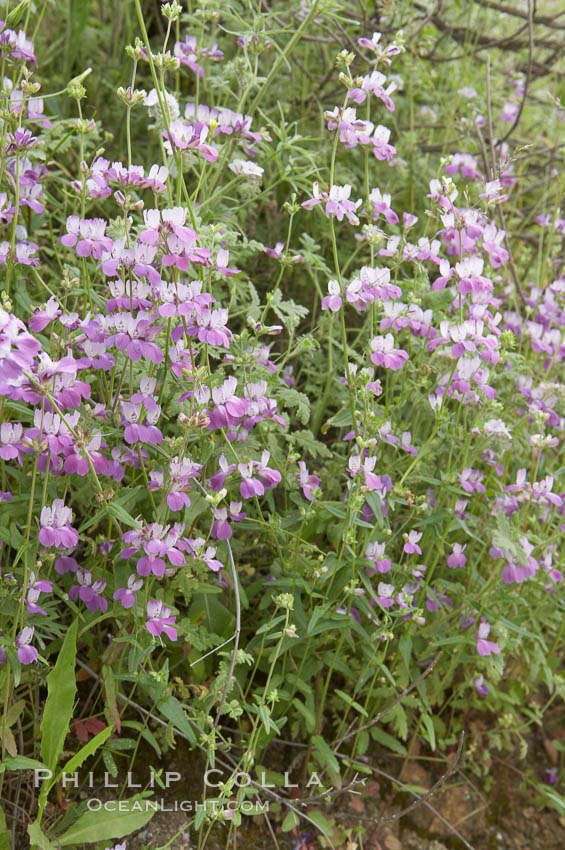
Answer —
293 398
506 537
322 822
342 418
324 756
38 838
14 712
308 443
15 15
307 714
291 820
5 834
265 718
118 512
335 509
146 734
110 694
350 701
61 690
80 10
100 826
430 730
23 763
388 741
73 764
405 647
174 712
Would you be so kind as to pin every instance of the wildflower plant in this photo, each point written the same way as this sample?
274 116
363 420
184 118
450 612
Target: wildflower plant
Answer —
280 443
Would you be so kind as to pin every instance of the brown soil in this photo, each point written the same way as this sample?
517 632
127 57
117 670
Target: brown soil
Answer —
505 818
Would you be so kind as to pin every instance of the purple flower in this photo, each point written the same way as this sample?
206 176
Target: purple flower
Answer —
466 164
88 236
221 529
208 555
11 447
135 430
411 545
385 354
509 112
41 318
381 206
337 202
333 300
471 480
20 140
457 558
249 486
181 471
406 445
211 327
383 54
484 646
76 461
374 84
551 776
56 529
157 542
481 686
18 348
188 51
65 564
190 137
159 620
126 595
89 591
307 482
374 553
384 594
217 480
34 589
26 654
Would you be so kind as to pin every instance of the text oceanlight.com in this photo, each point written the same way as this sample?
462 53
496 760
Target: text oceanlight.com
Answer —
246 807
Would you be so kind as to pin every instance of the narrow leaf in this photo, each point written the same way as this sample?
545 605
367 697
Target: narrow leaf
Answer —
89 749
61 690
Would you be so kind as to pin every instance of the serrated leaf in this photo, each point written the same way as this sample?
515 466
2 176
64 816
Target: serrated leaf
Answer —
307 442
292 398
506 537
38 839
89 749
